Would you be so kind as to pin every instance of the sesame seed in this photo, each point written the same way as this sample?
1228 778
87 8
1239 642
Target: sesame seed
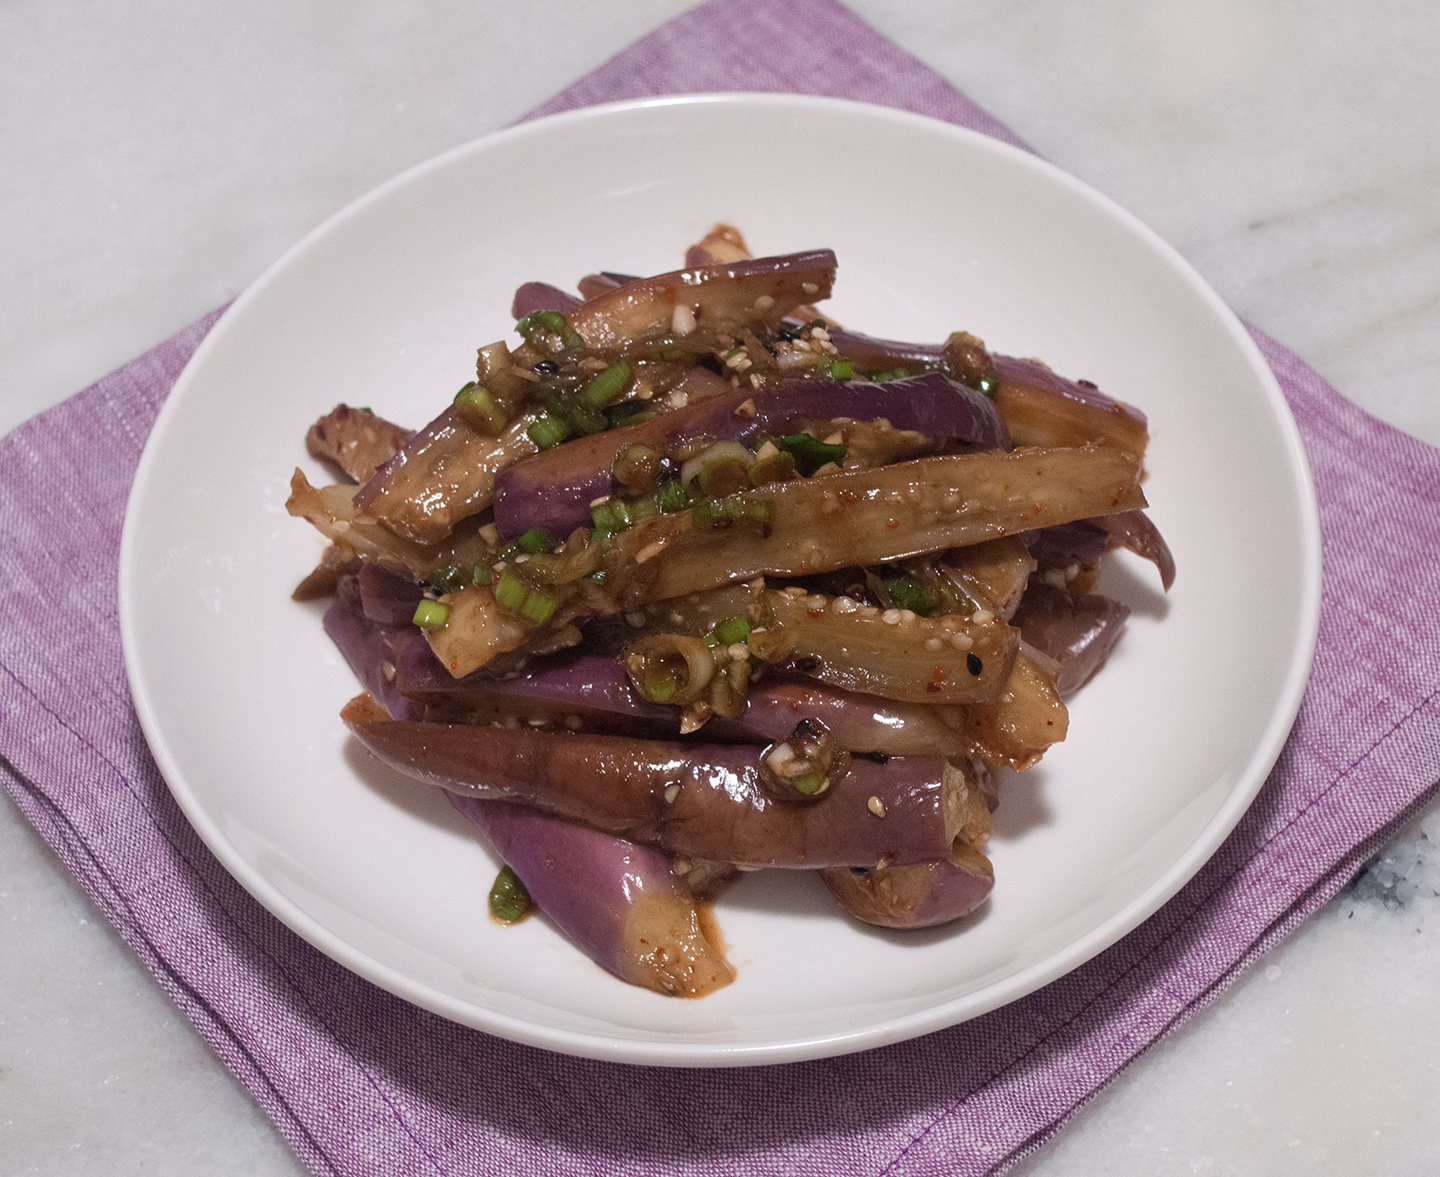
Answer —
764 303
738 652
933 644
649 551
843 605
522 557
636 619
809 288
736 360
819 333
961 641
891 617
340 526
982 617
907 616
754 380
677 619
759 581
679 400
1054 577
682 866
876 806
794 591
1072 571
800 345
601 499
682 319
745 362
536 721
671 792
388 670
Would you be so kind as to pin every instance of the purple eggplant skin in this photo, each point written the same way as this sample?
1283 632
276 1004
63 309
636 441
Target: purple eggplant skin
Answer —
553 490
1080 540
540 296
918 895
1078 633
369 647
387 597
596 688
621 903
697 800
1135 530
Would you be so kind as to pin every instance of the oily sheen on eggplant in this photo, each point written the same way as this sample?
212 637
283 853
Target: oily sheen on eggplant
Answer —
553 490
698 800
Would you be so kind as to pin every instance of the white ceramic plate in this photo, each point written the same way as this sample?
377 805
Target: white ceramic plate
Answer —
936 229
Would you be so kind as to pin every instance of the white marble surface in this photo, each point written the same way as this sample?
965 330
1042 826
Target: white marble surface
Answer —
158 155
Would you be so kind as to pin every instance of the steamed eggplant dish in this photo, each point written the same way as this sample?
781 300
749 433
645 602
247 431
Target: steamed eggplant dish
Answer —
689 581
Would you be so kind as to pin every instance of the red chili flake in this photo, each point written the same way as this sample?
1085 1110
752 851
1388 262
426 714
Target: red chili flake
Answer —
848 497
670 298
938 674
893 523
454 666
1024 518
820 612
1036 509
932 688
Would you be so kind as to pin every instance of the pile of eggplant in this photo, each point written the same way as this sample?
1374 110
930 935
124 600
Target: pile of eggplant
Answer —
691 581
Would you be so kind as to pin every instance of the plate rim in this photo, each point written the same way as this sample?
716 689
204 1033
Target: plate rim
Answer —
681 1051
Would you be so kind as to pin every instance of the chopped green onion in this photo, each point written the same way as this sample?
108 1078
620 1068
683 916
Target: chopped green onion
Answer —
672 497
598 576
672 354
608 385
987 384
538 607
449 579
548 430
535 326
481 409
431 614
534 541
908 594
780 468
732 630
810 453
659 689
841 369
510 590
711 639
718 513
810 783
509 899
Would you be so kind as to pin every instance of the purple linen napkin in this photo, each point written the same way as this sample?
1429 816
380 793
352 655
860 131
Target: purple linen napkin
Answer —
362 1083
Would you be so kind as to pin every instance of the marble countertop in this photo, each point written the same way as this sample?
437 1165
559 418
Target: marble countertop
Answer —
159 155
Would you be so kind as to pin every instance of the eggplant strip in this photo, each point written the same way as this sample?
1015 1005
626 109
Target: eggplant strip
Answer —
918 894
331 510
356 440
875 516
1043 408
1018 727
621 903
892 653
697 800
553 490
758 292
444 474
